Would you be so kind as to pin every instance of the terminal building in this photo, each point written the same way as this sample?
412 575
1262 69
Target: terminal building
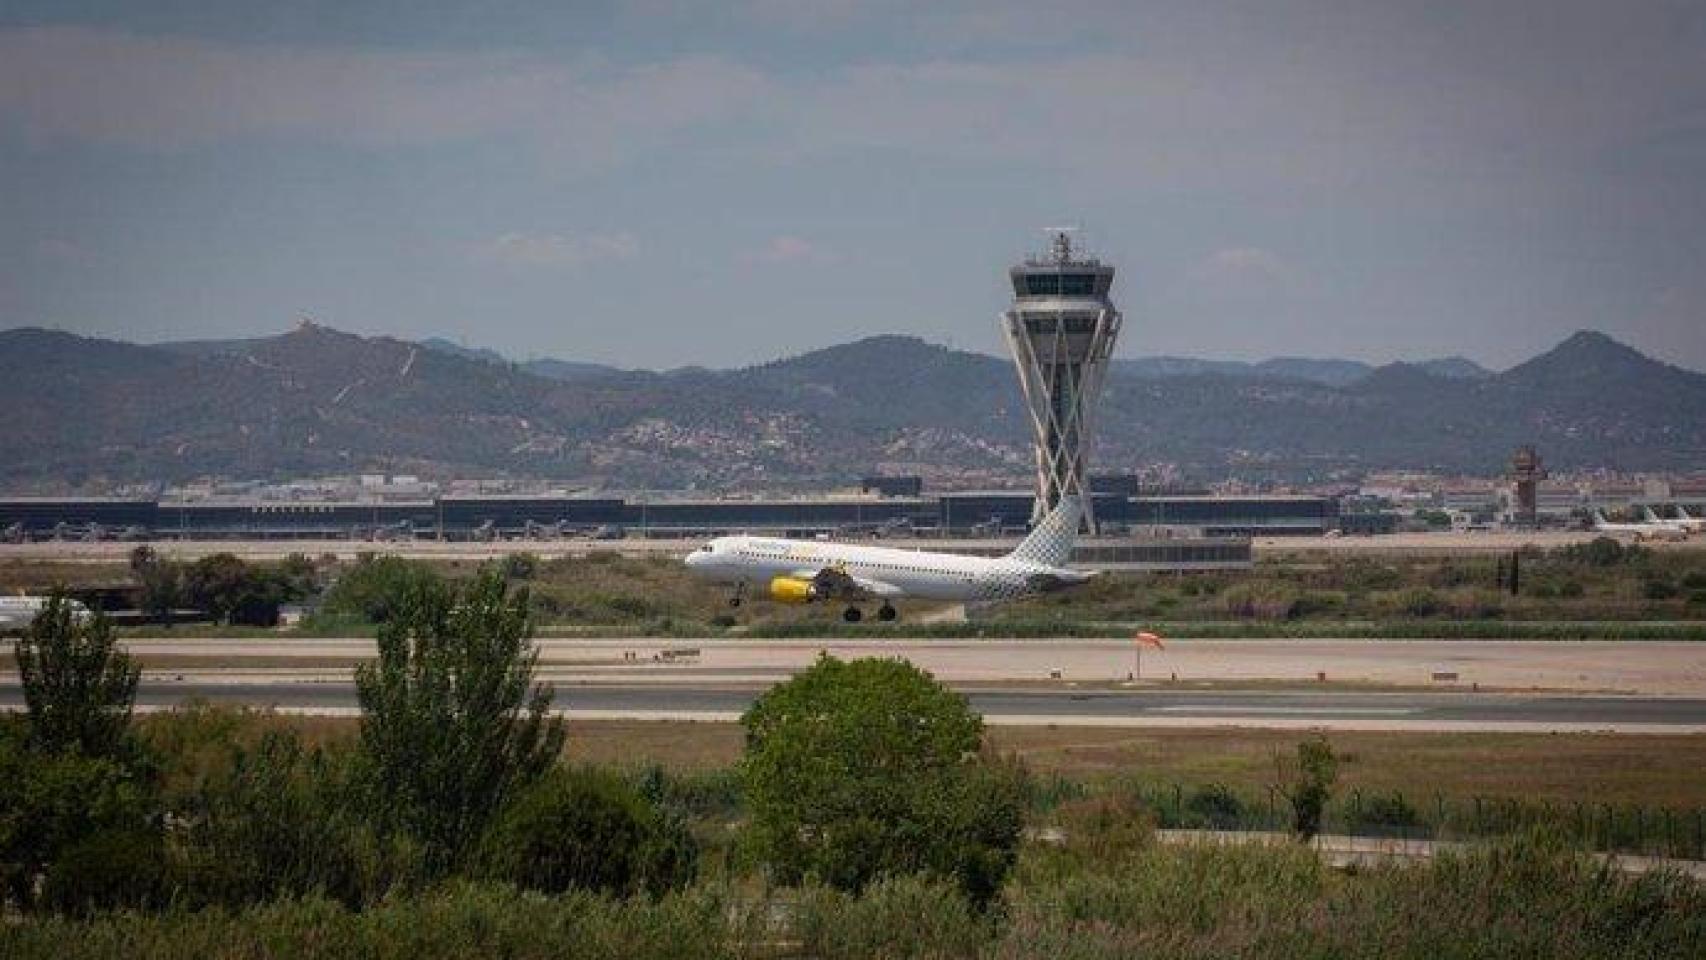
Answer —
1187 531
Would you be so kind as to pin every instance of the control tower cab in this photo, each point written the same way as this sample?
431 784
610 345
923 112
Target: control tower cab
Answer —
1061 330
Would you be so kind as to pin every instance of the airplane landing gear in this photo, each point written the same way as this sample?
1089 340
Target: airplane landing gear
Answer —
852 615
887 613
740 588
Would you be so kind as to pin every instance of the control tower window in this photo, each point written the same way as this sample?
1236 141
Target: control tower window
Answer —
1060 285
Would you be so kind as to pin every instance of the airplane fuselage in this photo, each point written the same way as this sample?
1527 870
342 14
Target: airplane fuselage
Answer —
758 561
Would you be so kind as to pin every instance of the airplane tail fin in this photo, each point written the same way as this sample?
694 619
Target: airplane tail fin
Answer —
1050 542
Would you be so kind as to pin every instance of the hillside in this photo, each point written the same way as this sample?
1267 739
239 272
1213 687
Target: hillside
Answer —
90 413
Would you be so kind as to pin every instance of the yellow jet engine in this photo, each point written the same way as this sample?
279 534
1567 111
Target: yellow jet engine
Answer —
793 590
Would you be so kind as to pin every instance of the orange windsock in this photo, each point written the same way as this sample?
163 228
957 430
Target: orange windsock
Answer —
1150 639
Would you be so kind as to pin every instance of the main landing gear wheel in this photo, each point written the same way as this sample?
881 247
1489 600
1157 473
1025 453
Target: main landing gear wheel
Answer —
734 601
887 613
852 615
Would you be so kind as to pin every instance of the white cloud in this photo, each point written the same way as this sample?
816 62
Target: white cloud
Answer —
558 250
1245 266
788 248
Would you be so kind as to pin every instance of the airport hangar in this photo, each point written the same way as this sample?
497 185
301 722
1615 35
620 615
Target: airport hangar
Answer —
1166 532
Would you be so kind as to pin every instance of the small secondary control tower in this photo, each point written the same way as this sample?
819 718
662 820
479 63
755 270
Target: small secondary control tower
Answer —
1061 329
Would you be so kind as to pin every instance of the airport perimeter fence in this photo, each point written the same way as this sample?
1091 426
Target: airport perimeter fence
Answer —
1664 832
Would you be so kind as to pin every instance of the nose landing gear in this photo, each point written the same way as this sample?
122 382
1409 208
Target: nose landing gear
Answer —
740 588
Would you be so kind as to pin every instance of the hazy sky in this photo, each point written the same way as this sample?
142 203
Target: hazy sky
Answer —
663 182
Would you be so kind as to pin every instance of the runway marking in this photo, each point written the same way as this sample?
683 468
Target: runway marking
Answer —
1235 710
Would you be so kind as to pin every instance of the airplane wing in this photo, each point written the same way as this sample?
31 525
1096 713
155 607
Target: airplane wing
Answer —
836 583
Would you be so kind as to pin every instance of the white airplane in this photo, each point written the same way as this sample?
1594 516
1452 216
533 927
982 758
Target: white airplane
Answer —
1684 523
1695 524
17 613
1641 531
805 571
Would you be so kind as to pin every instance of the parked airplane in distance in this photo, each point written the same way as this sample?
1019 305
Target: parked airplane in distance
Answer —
1695 524
17 613
1641 531
1682 521
806 571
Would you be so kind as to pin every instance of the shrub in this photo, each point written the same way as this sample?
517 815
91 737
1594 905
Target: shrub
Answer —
1105 830
869 768
1260 599
519 566
51 805
1420 602
107 870
1215 806
371 590
1601 552
588 830
895 918
278 821
1659 588
1383 812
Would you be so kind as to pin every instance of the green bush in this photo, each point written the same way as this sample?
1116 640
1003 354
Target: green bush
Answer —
1104 830
371 590
1419 603
519 566
106 870
1260 599
1659 588
870 768
894 918
1216 807
1382 812
588 830
277 821
52 805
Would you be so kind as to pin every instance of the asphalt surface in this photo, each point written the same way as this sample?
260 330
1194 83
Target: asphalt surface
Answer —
1421 710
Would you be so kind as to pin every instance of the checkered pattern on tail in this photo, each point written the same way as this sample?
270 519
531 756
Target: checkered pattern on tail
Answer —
1050 543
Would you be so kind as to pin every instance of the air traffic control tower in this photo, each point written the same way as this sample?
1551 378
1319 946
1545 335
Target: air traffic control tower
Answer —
1061 329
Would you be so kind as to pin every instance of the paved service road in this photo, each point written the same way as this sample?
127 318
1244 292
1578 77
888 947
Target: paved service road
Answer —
1347 710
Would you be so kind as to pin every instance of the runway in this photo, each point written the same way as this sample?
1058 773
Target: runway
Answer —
1067 707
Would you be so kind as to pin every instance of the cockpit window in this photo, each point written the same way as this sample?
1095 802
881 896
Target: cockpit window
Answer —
707 548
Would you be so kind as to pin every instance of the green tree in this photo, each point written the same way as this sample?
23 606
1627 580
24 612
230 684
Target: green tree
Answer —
1309 785
371 590
870 768
591 830
56 811
452 725
236 592
79 688
161 581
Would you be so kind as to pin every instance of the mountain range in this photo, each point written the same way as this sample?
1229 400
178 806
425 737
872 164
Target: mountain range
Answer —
90 413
